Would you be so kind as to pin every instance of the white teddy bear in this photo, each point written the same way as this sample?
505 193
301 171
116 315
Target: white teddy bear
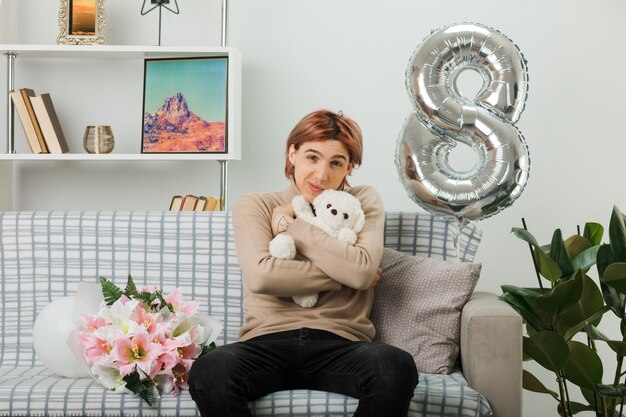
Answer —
338 213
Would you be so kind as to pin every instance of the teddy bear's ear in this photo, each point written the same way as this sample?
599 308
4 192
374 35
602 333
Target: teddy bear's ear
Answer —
360 221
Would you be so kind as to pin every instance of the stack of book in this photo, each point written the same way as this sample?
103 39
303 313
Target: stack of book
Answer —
39 119
194 203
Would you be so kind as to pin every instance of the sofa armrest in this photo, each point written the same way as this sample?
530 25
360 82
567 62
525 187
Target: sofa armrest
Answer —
491 352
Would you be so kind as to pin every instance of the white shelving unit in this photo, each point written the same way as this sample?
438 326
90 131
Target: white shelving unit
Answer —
94 54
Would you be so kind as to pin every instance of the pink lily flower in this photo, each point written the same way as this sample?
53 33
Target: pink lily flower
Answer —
93 323
135 352
150 321
166 383
181 373
188 352
97 350
176 300
169 355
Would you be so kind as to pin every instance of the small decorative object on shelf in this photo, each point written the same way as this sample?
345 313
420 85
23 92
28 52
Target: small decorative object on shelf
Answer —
81 22
160 4
98 139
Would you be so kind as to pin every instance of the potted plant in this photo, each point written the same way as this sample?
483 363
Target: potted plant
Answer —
562 317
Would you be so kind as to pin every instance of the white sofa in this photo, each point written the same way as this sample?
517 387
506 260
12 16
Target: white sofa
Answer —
44 255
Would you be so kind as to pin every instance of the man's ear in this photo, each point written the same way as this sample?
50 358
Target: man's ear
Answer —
292 154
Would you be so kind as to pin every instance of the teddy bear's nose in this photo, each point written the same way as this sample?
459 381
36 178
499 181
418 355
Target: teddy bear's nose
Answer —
346 216
334 212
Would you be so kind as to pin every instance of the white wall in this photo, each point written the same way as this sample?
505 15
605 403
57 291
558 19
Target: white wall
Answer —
351 55
7 13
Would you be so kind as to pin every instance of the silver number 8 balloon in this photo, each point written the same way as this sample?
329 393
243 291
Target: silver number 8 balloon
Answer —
444 119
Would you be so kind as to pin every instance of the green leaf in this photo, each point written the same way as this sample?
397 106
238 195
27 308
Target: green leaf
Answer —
548 349
617 234
617 346
612 297
575 245
154 300
594 333
513 296
146 297
531 293
207 348
131 288
593 233
547 268
542 309
615 276
589 303
110 291
605 258
583 366
144 388
563 296
593 318
592 397
586 259
526 236
162 301
558 253
531 383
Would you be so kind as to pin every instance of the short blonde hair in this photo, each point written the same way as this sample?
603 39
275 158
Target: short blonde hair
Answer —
326 125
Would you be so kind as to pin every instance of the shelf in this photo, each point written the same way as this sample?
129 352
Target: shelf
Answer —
111 51
139 53
34 57
112 157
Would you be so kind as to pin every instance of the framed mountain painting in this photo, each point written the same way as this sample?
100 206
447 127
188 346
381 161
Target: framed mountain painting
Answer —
185 105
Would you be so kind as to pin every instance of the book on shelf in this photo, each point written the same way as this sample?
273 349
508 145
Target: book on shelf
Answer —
23 106
49 123
176 202
189 203
28 93
212 204
201 203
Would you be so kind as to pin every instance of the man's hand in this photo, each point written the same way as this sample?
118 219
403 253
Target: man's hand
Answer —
282 217
376 277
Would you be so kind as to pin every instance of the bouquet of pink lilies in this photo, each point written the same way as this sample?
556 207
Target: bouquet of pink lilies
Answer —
143 342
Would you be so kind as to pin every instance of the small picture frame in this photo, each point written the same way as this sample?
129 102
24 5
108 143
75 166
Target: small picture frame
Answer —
81 22
185 102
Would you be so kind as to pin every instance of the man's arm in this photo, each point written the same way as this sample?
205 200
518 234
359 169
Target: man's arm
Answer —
354 266
262 273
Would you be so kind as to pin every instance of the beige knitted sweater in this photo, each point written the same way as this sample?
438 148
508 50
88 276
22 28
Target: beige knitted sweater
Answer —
341 273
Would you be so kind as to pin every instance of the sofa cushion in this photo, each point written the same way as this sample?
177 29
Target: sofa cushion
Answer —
35 391
417 307
435 396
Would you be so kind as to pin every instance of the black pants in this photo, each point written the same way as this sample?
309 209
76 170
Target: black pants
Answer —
382 377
